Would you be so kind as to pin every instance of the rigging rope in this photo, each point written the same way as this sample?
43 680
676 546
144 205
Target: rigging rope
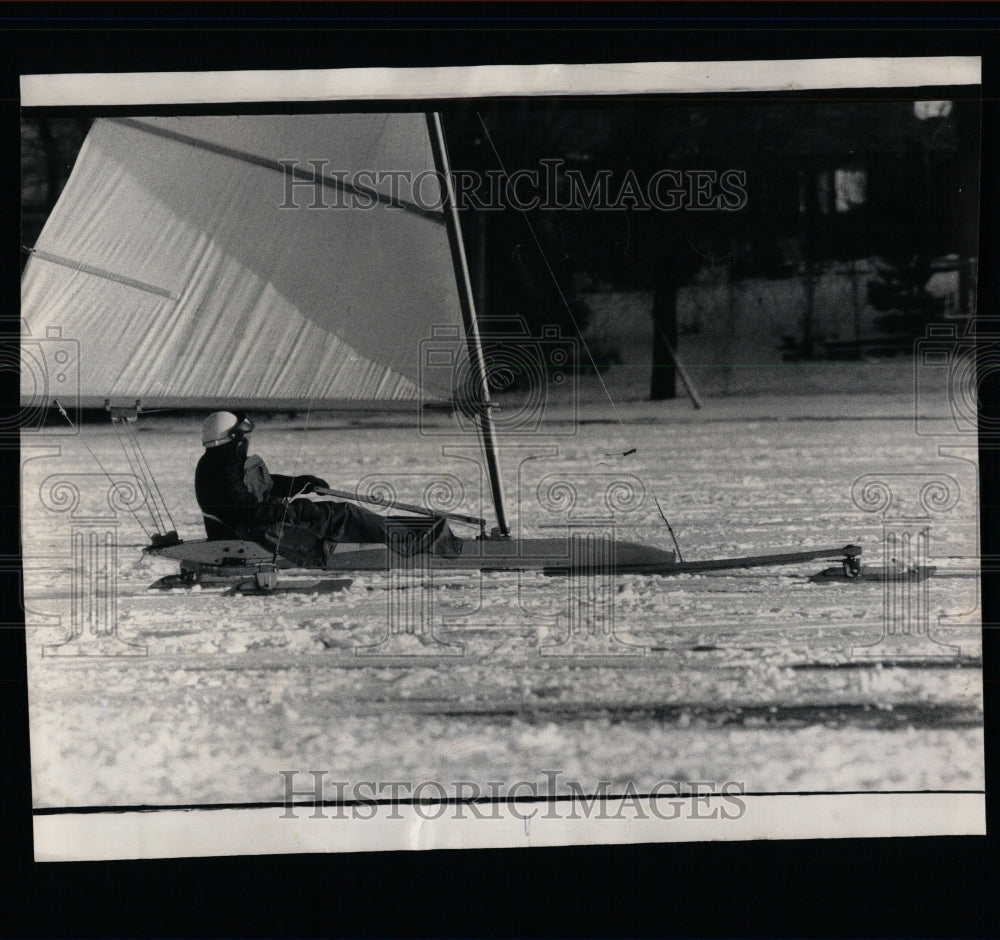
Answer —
156 504
136 471
630 449
151 475
111 479
555 281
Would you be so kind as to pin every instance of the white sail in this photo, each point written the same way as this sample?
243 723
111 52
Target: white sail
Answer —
174 260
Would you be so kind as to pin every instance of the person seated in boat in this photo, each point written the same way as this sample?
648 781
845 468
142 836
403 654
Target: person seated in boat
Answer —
240 498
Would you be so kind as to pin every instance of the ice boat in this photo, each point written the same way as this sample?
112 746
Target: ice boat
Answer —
287 262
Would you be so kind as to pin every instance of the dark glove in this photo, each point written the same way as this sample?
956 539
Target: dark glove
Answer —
309 484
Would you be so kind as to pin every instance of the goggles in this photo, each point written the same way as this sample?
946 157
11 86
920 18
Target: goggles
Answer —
244 425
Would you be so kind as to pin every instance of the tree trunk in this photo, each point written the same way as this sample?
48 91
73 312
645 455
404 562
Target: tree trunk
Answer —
52 175
663 383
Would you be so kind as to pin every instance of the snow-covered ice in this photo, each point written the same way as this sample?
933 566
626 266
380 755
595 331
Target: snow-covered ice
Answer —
742 676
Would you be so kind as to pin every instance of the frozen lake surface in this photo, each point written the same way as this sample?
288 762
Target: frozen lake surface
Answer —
752 676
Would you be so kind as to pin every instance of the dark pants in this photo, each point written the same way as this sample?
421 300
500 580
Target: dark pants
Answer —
336 522
312 529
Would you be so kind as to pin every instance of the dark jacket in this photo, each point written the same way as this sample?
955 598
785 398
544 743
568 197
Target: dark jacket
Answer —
222 492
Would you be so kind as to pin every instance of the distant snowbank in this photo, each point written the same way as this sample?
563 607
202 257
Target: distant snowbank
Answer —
731 335
557 411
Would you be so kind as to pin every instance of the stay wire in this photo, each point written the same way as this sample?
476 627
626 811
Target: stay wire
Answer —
136 470
155 497
555 280
148 474
111 479
152 477
562 297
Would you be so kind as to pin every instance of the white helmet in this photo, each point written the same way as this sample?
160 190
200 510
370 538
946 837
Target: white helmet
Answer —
221 427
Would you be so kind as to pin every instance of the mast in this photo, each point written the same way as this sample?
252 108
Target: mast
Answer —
468 304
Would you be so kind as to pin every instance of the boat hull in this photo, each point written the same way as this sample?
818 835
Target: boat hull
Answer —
491 554
206 561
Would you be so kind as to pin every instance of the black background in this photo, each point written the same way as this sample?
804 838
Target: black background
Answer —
898 887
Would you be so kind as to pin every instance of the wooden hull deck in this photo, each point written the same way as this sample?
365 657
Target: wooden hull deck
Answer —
553 556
